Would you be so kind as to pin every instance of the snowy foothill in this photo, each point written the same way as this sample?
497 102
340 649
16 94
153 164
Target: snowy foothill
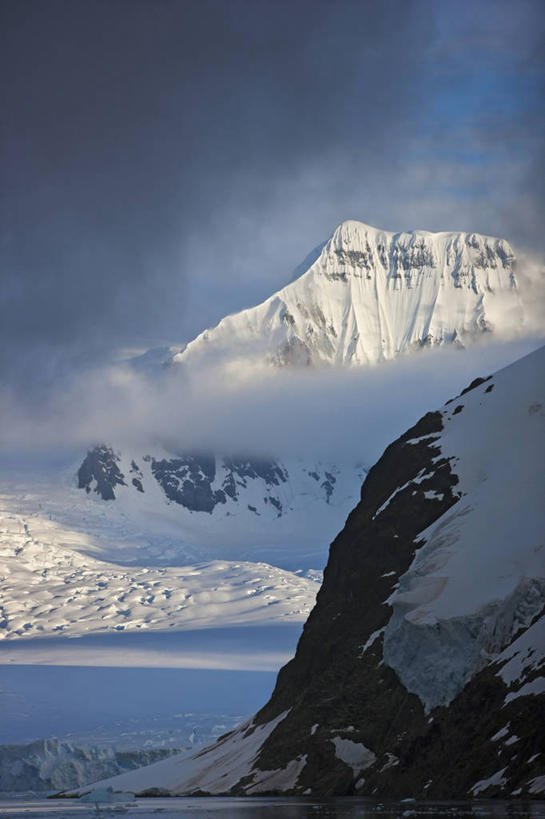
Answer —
215 769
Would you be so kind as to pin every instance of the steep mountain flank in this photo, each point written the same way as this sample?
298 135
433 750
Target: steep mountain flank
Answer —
369 296
421 670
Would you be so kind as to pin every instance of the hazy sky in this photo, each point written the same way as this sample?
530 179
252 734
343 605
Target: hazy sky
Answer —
169 161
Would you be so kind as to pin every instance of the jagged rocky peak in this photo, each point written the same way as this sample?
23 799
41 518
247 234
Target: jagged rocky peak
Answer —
100 472
372 295
428 634
204 482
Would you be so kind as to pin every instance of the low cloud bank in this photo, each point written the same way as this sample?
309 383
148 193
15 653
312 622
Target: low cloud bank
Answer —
340 414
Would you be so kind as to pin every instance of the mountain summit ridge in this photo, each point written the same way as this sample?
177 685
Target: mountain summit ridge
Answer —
371 295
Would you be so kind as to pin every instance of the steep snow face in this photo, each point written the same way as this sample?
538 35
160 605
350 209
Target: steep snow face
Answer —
479 577
371 295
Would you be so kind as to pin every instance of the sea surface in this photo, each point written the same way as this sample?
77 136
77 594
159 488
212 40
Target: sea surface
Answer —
269 808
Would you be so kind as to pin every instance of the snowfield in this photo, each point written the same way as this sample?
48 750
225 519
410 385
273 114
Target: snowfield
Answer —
51 585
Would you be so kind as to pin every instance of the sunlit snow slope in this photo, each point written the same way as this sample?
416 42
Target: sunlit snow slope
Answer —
370 296
60 580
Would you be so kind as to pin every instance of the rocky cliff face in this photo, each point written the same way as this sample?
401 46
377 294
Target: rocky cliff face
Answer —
370 296
421 670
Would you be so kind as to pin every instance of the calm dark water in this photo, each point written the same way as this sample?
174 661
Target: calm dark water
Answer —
266 808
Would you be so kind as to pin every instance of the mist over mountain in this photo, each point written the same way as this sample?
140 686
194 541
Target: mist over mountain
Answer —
370 296
267 381
367 297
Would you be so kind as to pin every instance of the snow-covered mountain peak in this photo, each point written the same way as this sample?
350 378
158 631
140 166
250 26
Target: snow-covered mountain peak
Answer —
352 231
469 257
371 295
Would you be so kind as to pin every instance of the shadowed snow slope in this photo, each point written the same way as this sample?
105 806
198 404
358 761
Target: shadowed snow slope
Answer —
427 634
370 296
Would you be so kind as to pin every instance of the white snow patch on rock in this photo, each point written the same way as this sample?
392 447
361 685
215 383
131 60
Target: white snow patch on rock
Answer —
511 740
283 779
372 637
391 762
354 754
537 785
524 655
483 784
532 688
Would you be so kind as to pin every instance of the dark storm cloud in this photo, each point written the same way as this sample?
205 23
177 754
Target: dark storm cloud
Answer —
167 162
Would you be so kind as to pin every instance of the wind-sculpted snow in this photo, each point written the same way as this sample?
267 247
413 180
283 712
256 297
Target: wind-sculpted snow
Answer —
51 586
122 554
370 296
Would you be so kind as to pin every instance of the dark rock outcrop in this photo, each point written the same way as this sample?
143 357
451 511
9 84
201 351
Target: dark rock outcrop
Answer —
101 465
197 481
